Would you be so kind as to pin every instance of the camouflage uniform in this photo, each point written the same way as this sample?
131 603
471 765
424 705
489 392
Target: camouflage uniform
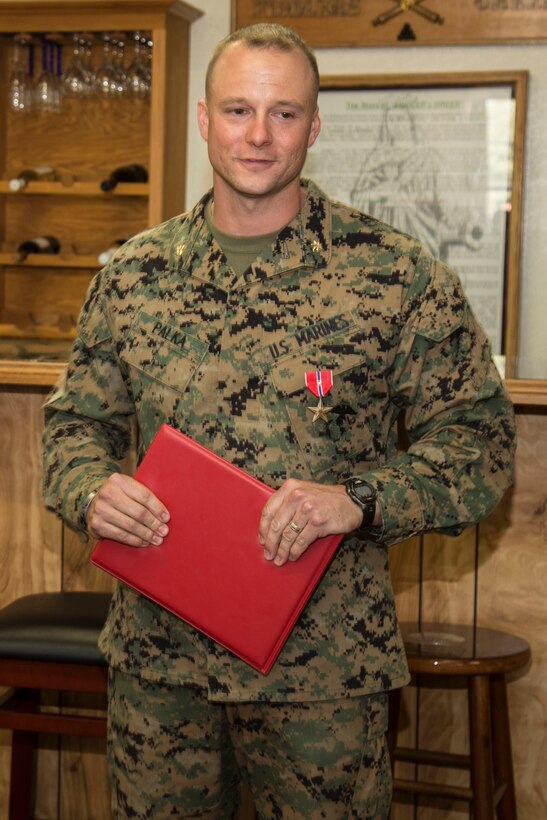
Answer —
168 332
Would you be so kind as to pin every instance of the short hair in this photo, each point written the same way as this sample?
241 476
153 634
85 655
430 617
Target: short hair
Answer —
265 35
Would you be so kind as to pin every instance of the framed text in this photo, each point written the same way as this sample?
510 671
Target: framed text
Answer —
441 158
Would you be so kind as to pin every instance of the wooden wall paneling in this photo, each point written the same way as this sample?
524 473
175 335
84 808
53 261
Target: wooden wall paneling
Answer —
449 577
404 565
30 554
30 541
79 574
511 597
84 787
47 779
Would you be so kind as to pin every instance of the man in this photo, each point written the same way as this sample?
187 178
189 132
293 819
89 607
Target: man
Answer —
224 322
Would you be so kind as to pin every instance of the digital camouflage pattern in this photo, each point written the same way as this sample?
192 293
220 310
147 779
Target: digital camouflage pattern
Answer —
173 754
168 332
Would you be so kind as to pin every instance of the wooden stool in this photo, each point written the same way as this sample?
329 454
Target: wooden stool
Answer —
483 657
48 641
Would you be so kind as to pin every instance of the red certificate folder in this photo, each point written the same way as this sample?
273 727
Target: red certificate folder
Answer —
210 570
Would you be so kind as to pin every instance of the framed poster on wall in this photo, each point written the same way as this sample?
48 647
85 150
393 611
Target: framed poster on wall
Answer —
327 23
441 158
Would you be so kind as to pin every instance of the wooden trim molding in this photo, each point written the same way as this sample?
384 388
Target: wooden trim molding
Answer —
530 392
31 373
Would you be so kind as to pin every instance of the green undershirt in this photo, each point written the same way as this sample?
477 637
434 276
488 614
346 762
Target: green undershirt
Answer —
240 251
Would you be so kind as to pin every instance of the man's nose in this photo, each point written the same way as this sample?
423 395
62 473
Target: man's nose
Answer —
259 132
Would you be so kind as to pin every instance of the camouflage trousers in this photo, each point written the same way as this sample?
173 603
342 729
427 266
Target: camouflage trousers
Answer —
173 753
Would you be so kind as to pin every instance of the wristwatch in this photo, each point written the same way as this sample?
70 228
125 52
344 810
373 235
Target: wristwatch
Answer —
363 494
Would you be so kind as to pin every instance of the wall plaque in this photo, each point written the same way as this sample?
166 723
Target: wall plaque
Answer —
325 23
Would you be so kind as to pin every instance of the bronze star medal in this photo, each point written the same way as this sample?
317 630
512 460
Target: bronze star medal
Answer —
319 382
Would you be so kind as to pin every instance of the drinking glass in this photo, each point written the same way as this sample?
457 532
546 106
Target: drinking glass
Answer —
46 91
86 45
118 57
75 81
138 73
105 76
20 80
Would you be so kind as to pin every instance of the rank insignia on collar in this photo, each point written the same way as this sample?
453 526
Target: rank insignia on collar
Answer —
319 382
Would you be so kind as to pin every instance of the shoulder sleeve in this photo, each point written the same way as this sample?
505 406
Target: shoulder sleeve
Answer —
87 416
458 418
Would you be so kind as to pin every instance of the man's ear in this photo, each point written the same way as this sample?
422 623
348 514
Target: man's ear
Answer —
315 128
203 119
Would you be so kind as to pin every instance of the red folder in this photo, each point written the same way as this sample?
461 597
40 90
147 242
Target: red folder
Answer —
210 570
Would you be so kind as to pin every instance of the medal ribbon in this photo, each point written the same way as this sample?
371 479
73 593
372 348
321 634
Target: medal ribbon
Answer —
319 382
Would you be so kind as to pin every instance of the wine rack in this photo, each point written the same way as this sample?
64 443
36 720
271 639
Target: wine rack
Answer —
85 140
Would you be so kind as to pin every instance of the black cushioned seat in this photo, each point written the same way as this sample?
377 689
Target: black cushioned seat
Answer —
60 627
48 641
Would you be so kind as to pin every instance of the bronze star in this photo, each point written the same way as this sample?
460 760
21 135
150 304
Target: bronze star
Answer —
320 412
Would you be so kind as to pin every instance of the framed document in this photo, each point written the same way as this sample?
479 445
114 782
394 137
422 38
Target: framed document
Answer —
326 23
441 158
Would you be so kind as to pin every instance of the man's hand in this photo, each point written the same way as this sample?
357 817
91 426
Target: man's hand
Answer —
125 510
299 513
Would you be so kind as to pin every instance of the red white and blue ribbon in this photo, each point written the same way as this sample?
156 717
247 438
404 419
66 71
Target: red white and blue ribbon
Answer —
319 382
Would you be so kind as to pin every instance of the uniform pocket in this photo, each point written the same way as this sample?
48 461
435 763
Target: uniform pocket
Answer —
357 399
159 352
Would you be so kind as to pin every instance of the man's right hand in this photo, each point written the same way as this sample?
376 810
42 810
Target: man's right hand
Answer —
127 511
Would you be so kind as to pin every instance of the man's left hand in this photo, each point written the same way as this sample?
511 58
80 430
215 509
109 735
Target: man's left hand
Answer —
299 513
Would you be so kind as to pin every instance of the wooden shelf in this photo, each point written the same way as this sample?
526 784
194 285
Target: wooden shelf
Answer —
78 189
50 260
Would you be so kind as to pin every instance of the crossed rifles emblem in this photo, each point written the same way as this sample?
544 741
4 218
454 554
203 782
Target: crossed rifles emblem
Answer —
408 5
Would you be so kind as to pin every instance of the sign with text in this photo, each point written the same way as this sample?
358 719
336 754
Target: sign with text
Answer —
440 157
325 23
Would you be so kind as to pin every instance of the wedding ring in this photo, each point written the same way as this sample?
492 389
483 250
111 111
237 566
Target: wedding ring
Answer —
295 528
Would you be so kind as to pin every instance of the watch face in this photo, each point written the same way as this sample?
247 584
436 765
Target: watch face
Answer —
365 496
363 490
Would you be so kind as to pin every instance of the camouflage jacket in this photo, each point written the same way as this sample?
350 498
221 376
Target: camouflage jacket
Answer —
168 333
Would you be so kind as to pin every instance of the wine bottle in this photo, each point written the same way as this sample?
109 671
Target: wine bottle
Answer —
106 255
40 244
42 173
125 173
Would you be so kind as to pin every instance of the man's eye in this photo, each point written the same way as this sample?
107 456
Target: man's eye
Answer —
286 115
238 111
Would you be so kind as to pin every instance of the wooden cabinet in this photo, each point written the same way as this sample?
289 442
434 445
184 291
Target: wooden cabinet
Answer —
41 297
40 300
